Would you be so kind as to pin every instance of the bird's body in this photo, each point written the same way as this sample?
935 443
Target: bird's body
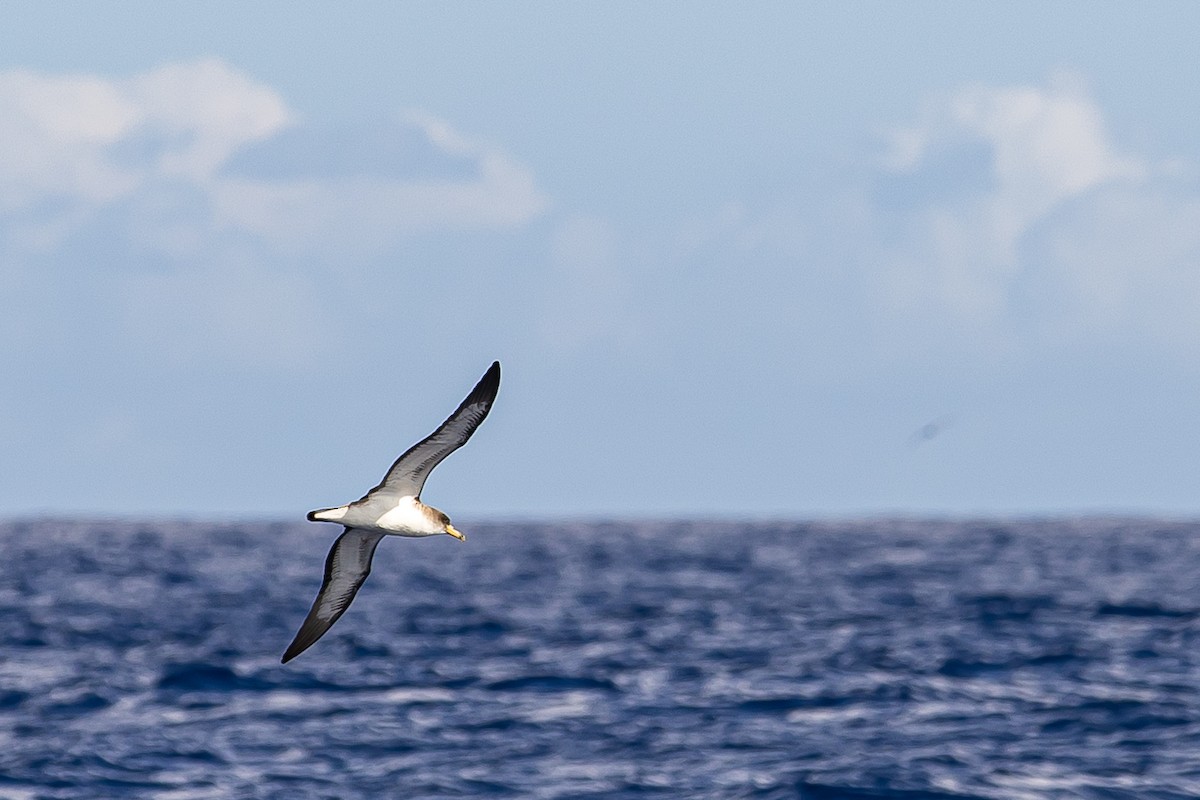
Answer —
401 516
393 508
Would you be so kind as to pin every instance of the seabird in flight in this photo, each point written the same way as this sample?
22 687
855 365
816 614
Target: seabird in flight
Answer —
393 508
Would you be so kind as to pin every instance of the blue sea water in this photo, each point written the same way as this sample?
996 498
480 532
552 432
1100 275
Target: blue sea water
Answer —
876 659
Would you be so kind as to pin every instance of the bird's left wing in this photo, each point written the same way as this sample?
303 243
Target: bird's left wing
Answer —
346 567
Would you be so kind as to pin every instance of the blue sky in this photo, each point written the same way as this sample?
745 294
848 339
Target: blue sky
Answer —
733 258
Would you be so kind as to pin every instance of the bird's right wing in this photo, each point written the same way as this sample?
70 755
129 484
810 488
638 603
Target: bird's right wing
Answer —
407 476
346 567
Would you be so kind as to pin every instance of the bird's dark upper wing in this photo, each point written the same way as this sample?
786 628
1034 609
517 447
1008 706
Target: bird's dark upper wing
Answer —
346 567
407 476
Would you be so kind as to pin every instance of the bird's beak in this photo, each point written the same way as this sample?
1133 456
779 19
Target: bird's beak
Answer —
450 530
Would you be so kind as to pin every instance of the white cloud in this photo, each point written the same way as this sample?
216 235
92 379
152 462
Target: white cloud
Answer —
81 141
61 135
1038 147
1013 214
1046 143
53 133
1124 261
1003 222
366 212
207 110
137 178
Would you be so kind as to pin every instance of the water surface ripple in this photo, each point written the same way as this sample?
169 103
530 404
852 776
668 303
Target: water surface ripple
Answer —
880 659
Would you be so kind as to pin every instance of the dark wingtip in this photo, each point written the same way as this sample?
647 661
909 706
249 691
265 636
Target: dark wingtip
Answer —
489 384
294 649
290 653
305 638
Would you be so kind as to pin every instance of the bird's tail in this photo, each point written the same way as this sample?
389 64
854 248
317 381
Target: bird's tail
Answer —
327 514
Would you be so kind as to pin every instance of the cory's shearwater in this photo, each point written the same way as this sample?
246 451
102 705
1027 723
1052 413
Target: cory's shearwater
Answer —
393 508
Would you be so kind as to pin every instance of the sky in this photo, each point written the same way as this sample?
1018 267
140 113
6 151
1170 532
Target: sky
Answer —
771 259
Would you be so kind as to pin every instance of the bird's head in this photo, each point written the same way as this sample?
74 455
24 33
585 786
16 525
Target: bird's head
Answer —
447 527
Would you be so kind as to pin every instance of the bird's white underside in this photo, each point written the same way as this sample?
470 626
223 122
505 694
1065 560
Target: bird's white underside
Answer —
400 516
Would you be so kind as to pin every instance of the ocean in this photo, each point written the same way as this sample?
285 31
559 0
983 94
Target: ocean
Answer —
868 659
